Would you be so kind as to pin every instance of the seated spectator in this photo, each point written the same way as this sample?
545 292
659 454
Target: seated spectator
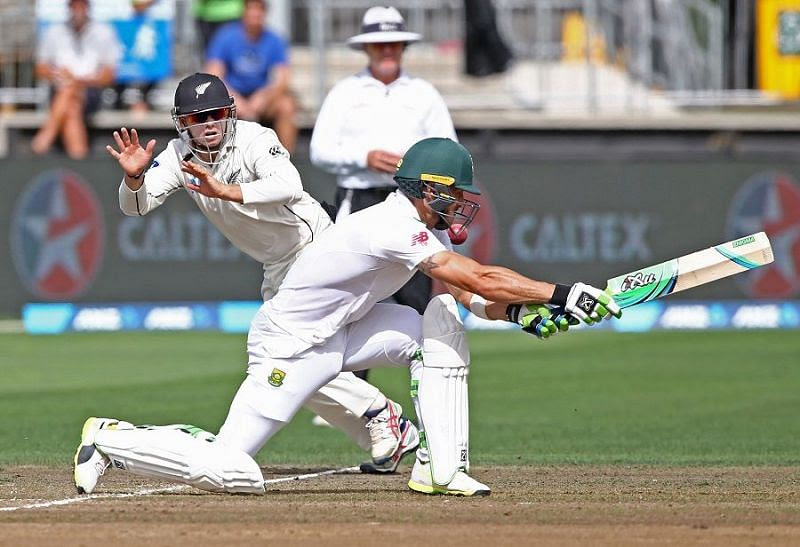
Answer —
78 58
146 57
209 15
252 60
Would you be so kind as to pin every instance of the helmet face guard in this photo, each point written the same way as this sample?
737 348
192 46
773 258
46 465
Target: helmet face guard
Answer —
440 198
225 117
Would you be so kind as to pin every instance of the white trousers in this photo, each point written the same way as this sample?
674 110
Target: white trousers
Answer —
275 389
343 401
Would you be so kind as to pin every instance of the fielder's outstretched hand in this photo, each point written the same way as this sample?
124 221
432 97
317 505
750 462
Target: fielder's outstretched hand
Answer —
535 319
203 182
132 158
591 304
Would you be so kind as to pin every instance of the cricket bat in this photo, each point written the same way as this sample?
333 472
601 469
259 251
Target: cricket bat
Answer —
685 272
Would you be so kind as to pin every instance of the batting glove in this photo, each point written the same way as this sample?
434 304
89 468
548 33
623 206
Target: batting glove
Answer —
563 319
589 304
534 319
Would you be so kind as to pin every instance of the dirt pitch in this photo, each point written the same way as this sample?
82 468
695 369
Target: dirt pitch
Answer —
529 505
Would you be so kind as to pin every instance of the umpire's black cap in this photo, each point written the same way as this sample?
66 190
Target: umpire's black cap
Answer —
200 92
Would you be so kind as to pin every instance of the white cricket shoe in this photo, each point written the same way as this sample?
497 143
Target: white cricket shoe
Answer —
461 485
90 463
319 421
409 441
385 433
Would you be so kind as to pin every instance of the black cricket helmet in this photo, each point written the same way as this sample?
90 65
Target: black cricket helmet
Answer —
431 170
199 99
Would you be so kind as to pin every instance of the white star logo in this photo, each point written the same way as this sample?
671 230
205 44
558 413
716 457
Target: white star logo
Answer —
62 249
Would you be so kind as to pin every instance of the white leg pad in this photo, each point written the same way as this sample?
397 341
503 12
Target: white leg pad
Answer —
172 454
443 395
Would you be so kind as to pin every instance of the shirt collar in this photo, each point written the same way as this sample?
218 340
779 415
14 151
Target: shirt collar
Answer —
368 78
399 201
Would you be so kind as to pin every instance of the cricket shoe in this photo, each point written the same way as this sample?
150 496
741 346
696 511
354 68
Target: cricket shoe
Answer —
461 485
385 433
90 463
409 441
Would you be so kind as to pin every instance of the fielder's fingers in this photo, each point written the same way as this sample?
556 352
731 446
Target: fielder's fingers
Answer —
126 137
134 137
118 140
114 153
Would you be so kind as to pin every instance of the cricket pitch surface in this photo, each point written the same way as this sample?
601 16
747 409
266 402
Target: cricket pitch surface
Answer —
565 505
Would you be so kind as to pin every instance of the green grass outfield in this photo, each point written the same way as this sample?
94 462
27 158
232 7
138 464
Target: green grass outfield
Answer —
666 398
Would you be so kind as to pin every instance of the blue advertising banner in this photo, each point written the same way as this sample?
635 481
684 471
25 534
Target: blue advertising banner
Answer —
235 316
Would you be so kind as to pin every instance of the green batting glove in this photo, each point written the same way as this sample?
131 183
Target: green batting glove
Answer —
563 319
533 318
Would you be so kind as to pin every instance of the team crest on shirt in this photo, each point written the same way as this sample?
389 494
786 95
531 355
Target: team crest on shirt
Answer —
276 377
421 238
278 150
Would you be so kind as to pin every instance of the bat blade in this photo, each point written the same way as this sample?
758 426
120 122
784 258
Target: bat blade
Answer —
685 272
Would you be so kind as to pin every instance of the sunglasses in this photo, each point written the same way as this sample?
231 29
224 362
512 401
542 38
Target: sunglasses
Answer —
200 117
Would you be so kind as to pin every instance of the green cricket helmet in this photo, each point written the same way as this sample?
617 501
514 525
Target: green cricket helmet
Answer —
439 165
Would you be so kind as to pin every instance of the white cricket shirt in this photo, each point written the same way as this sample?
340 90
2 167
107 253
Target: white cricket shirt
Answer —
361 114
362 259
277 218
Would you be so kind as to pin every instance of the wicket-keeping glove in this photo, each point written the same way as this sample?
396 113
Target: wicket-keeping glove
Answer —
587 303
534 319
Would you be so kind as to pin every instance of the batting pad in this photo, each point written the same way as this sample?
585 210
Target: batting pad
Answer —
443 397
444 403
172 454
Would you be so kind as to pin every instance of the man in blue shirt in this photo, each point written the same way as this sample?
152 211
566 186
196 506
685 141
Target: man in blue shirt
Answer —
253 62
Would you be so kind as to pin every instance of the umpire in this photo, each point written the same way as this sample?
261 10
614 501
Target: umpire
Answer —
369 120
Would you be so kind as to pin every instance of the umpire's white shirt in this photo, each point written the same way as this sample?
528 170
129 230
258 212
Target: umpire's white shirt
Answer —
361 260
277 218
361 114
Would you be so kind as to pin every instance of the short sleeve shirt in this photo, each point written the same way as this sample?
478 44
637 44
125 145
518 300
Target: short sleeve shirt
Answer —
248 64
83 53
359 261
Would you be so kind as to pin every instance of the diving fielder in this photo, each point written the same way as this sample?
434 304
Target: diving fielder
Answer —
326 320
241 178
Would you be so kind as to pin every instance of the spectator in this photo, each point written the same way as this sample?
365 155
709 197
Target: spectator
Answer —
78 58
141 67
253 62
209 15
369 120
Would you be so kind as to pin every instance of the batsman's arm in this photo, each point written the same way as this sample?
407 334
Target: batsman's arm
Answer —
505 286
500 285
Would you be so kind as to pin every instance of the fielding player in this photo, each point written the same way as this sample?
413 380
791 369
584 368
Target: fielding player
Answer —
241 178
325 320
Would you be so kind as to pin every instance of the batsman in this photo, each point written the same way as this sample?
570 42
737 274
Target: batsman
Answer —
323 321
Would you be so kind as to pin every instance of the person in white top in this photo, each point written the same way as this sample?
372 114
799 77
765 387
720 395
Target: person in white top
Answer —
78 58
368 121
325 320
241 178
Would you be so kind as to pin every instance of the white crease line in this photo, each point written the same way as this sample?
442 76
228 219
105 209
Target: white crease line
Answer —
148 491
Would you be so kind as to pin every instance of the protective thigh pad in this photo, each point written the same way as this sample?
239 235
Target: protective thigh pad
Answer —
444 342
174 453
443 397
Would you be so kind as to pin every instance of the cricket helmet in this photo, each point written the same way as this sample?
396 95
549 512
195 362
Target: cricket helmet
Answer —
431 169
199 98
